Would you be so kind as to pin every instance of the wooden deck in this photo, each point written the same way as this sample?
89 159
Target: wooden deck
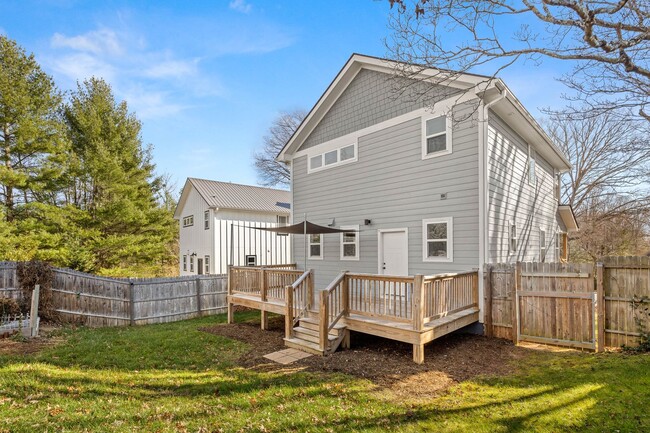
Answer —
414 310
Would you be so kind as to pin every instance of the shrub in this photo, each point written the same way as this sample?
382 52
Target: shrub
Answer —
9 307
29 275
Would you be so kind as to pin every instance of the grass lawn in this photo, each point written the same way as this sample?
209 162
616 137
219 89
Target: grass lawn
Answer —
175 378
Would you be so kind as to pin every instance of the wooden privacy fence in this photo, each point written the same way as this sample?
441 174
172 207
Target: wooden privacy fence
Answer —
575 305
100 301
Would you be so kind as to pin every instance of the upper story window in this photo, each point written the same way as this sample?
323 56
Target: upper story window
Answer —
350 243
437 240
315 246
188 221
206 220
333 158
436 136
532 175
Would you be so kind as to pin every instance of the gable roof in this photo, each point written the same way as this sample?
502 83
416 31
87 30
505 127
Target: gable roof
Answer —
482 86
226 195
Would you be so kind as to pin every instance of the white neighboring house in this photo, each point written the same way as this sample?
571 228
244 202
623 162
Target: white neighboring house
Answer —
216 226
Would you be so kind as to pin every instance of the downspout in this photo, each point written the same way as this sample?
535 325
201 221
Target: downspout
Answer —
483 194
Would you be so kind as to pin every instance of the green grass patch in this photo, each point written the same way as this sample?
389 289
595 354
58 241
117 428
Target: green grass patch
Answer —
173 377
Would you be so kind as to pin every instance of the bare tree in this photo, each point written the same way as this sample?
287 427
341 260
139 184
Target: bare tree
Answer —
608 42
269 171
608 185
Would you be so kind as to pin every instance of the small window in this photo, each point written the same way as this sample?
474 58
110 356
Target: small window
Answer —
542 245
532 176
316 162
282 220
331 157
184 263
347 152
315 246
206 220
350 243
191 263
512 244
437 240
436 133
251 260
188 221
206 264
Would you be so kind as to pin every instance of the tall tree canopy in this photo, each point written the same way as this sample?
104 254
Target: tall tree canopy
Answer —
605 40
269 171
32 141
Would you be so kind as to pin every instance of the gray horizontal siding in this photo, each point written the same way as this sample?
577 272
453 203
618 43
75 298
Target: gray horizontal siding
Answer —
512 198
370 99
391 185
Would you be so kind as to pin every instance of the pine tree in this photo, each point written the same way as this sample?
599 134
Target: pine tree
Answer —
31 137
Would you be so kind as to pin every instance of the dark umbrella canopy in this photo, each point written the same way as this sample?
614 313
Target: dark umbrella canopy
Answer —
299 229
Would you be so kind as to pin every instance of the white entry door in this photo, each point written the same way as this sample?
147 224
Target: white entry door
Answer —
393 252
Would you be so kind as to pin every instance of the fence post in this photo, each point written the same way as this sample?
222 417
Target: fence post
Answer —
131 302
600 305
33 313
198 295
487 300
324 320
231 317
288 314
515 304
263 295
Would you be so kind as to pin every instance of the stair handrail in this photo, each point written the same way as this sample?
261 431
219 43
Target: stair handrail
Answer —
333 306
297 306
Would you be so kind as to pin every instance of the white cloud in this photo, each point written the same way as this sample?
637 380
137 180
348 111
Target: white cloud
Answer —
79 66
151 103
102 41
240 6
171 69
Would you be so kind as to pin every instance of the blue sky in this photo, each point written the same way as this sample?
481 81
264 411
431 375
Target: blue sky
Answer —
206 78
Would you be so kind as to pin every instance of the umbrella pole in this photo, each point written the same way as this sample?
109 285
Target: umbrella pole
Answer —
304 225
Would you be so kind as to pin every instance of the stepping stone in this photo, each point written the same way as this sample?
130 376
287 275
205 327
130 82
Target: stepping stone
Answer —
287 356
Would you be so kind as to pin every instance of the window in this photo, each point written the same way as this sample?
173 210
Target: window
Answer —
334 157
315 246
532 176
188 221
561 248
542 244
192 262
206 263
184 263
512 237
436 133
557 187
438 240
206 220
282 220
350 243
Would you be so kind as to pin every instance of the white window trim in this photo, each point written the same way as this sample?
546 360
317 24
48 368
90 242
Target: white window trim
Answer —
356 242
310 243
184 263
512 251
206 265
191 263
450 240
448 132
188 221
542 247
339 163
206 220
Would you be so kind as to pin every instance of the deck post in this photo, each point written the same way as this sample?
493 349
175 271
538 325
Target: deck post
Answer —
310 290
231 317
418 303
487 300
288 313
264 319
600 305
418 353
346 339
324 321
345 297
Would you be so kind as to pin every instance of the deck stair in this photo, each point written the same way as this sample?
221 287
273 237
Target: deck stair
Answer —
306 337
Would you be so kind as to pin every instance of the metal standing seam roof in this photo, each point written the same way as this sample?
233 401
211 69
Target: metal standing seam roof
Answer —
246 197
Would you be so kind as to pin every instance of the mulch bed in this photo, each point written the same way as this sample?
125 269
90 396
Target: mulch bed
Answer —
387 363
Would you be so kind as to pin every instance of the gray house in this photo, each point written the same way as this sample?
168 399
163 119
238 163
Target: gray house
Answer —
472 179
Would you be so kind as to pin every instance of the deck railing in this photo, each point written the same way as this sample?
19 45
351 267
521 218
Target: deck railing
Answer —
298 300
380 296
333 306
266 282
447 294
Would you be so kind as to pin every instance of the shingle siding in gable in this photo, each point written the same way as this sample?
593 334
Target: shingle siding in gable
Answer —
370 99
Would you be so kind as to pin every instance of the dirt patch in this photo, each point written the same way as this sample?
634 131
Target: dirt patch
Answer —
388 364
14 346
